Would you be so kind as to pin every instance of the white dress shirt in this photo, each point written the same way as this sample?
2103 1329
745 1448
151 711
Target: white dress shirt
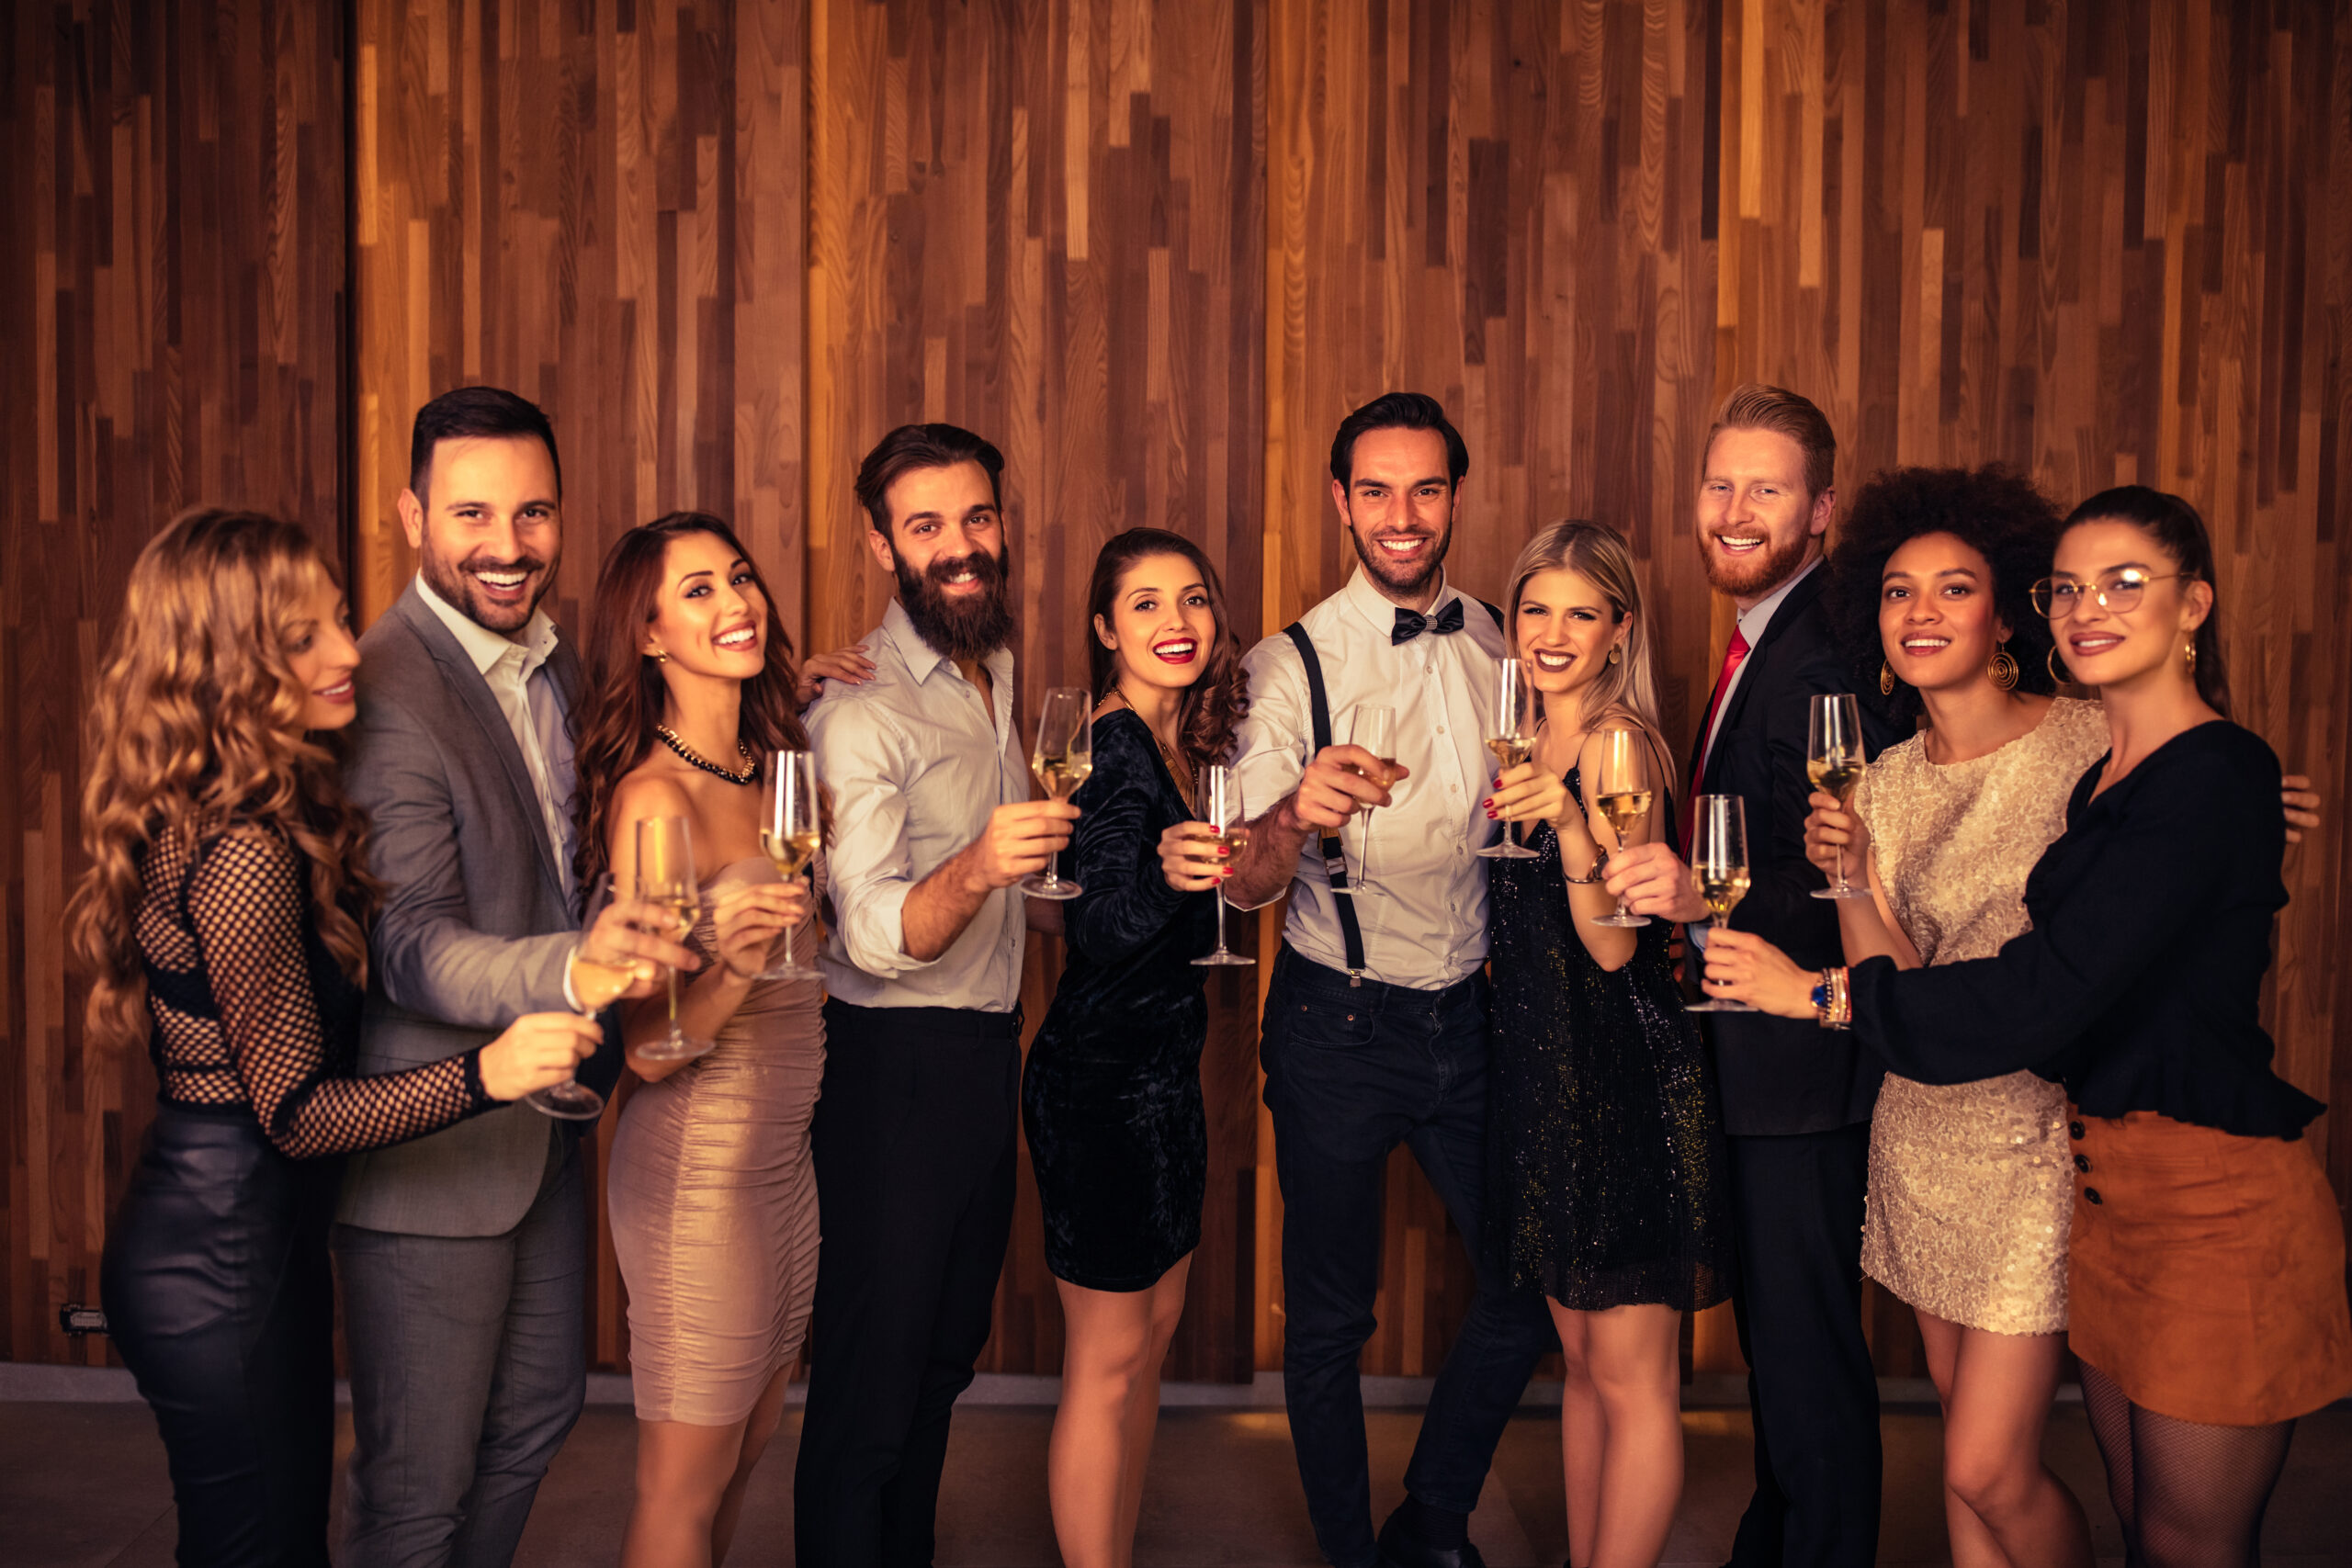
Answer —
1426 926
916 764
516 672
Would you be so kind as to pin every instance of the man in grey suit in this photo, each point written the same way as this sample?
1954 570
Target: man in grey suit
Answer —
464 1255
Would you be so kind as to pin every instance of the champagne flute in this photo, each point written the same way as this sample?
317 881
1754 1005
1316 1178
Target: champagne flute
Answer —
1375 729
665 879
1221 808
601 974
1833 762
1064 757
1510 736
1719 870
1623 792
789 834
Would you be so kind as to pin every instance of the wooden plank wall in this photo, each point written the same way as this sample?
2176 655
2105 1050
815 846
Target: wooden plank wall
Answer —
2103 244
171 331
1043 220
1156 251
601 208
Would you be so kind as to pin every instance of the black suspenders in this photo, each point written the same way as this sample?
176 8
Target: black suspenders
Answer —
1335 860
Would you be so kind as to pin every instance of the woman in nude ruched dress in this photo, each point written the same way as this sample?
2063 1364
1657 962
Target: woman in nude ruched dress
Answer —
691 689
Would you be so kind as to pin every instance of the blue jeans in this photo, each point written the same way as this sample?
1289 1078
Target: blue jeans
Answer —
1351 1073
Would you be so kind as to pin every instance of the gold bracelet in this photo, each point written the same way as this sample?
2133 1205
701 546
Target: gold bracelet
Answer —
1599 863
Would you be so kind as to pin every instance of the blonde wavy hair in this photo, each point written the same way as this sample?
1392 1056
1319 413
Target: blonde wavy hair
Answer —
197 722
1603 558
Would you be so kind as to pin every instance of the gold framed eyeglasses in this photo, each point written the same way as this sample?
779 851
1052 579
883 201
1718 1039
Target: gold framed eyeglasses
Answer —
2057 597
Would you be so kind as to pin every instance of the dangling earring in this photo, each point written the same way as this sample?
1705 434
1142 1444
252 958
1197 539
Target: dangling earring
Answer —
2003 671
1885 679
2192 658
659 657
1615 654
2055 673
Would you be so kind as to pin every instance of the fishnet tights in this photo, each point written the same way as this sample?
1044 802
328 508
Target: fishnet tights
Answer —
249 1009
2190 1495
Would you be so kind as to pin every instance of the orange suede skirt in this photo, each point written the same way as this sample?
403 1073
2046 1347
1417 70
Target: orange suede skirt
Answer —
2205 1274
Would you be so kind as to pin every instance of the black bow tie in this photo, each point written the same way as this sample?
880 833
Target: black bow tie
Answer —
1411 624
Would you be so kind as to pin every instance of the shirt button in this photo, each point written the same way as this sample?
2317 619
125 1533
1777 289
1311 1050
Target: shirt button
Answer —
2090 1195
2082 1165
1440 729
2074 1129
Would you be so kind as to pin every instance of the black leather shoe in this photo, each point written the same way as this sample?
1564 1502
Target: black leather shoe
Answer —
1399 1548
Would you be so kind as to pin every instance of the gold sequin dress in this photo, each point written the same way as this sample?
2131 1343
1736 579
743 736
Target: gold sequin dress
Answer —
1970 1185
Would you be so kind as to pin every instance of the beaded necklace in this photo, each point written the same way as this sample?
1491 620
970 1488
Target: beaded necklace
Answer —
750 764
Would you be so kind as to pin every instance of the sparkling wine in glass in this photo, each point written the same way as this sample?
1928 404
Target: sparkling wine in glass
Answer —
790 831
1221 808
1510 736
665 882
1373 729
1621 788
1835 762
601 975
1719 870
1062 759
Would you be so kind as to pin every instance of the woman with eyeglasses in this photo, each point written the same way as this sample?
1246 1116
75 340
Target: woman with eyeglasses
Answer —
2206 1296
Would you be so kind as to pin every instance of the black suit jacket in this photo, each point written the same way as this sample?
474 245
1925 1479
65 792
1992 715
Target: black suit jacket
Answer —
1779 1074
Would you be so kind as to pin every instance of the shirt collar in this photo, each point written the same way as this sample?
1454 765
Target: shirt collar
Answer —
1378 610
921 658
1759 615
485 647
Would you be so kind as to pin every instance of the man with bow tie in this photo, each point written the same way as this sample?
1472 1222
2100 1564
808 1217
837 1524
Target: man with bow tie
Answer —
1375 1026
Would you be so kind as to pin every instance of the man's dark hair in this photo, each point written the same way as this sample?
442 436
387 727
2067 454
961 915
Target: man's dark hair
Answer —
472 412
913 447
1398 411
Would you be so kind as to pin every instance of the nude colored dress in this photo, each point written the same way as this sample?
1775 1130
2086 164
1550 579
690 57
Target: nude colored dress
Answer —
713 1201
1972 1184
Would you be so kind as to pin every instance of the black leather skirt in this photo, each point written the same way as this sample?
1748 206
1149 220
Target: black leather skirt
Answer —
218 1295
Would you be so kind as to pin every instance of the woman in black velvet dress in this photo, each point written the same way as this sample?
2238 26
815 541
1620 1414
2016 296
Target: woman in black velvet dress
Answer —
1112 1095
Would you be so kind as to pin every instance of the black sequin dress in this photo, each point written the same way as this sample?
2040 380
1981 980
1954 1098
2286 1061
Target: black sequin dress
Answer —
1111 1097
1605 1140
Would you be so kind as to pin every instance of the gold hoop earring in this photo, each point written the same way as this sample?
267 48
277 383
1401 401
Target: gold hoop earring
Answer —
2003 671
2192 658
1616 654
1885 679
2055 673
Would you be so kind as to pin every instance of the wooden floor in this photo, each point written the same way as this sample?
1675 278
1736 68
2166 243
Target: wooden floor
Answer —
83 1485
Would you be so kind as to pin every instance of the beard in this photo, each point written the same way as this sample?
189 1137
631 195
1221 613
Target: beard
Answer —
454 581
1407 580
1758 574
965 630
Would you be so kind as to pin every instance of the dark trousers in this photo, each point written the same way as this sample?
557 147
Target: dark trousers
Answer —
1797 1205
468 1366
218 1293
913 1141
1351 1073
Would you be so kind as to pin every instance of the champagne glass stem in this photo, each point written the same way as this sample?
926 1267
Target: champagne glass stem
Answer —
674 1030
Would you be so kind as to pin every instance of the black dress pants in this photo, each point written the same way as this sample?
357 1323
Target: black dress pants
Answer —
1797 1204
218 1293
914 1146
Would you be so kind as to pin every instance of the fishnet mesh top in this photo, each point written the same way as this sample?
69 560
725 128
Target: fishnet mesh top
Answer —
251 1010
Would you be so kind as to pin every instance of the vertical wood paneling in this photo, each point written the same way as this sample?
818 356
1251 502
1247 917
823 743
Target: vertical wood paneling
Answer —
171 318
600 207
1044 219
1499 205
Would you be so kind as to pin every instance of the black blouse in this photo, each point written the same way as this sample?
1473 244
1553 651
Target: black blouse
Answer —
1132 937
2140 986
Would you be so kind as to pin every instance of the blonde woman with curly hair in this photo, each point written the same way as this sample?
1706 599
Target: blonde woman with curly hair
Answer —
222 922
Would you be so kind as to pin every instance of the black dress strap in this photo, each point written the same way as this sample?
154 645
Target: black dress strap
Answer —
1335 860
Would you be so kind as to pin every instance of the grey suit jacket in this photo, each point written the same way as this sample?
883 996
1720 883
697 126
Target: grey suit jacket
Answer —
475 928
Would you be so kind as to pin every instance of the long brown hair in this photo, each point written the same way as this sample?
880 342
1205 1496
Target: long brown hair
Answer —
1211 706
1601 557
623 695
196 724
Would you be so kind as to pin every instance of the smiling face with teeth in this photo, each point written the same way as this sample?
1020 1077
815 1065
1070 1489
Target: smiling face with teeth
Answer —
710 617
1938 622
945 546
322 655
1566 626
1757 524
2145 645
489 532
1161 628
1398 508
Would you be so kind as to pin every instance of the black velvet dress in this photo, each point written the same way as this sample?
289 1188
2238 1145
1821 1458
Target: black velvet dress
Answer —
1606 1140
1111 1097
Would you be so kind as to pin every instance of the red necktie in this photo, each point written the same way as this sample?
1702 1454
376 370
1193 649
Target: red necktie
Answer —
1733 655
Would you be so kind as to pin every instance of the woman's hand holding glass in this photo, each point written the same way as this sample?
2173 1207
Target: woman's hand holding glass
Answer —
1528 791
1834 836
1194 858
1744 967
749 919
